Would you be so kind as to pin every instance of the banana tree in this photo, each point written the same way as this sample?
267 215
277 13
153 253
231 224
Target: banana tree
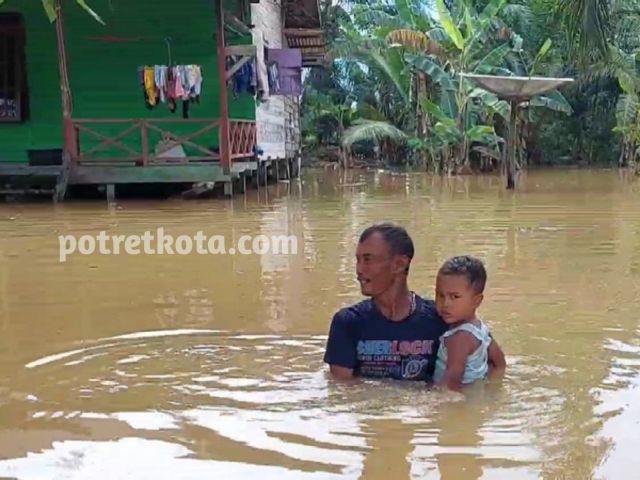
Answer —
628 119
448 134
463 45
476 43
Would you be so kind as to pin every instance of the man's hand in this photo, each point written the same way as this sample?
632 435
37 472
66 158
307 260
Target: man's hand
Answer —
459 346
497 361
341 373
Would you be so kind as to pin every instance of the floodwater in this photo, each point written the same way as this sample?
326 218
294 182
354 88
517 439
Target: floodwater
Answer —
203 366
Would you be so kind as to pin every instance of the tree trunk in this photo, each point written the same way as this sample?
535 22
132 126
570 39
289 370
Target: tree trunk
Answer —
465 154
511 150
622 159
344 159
344 163
422 118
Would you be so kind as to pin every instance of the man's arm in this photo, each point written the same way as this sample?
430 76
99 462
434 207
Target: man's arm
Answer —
341 350
459 346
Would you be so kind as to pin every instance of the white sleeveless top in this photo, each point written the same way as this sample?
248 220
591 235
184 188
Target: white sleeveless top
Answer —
477 363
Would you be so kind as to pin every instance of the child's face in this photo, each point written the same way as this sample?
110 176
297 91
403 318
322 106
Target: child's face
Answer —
456 300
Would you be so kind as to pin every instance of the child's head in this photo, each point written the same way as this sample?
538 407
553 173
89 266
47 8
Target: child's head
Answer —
459 288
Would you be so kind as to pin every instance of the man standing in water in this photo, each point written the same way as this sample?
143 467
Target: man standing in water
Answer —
393 334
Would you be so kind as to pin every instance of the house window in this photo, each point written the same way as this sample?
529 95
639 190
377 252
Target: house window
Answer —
14 106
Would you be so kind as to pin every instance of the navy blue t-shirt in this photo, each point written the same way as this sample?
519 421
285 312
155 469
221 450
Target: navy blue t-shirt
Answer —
363 339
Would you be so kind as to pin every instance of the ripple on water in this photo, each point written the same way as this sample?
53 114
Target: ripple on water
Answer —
164 386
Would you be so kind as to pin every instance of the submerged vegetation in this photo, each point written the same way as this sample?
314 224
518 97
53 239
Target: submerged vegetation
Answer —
395 92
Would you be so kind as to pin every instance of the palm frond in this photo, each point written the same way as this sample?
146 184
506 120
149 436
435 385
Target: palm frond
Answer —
370 112
387 61
588 23
518 16
618 65
370 130
626 110
627 32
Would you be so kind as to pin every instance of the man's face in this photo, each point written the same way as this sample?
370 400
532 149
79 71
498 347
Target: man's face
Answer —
376 267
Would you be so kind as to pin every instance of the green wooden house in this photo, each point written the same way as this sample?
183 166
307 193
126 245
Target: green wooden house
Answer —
71 96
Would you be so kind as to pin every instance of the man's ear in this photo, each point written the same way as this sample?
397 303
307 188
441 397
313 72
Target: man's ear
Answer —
401 264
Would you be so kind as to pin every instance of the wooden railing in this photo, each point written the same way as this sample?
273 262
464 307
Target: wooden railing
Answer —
242 138
157 141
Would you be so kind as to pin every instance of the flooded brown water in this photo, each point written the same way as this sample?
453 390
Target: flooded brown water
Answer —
189 367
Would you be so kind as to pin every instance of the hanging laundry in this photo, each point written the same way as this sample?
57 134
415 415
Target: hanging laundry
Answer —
273 75
185 108
244 80
171 84
195 82
150 86
262 88
285 71
161 81
144 89
178 91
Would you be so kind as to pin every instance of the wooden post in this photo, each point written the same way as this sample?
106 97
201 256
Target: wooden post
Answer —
511 147
70 138
63 178
225 151
144 135
111 193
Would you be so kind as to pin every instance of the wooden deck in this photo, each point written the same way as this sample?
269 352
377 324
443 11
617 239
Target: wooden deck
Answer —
18 179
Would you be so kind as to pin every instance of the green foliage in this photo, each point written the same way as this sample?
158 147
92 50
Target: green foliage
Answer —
367 130
405 58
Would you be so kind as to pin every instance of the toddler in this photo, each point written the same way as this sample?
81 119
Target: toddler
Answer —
467 348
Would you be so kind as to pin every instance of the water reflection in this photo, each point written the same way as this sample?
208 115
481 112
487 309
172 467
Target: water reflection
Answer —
185 367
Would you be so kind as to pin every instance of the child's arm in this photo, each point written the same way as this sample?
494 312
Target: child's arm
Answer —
459 346
496 357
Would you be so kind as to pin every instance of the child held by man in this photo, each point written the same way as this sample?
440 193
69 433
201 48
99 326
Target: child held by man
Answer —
467 349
